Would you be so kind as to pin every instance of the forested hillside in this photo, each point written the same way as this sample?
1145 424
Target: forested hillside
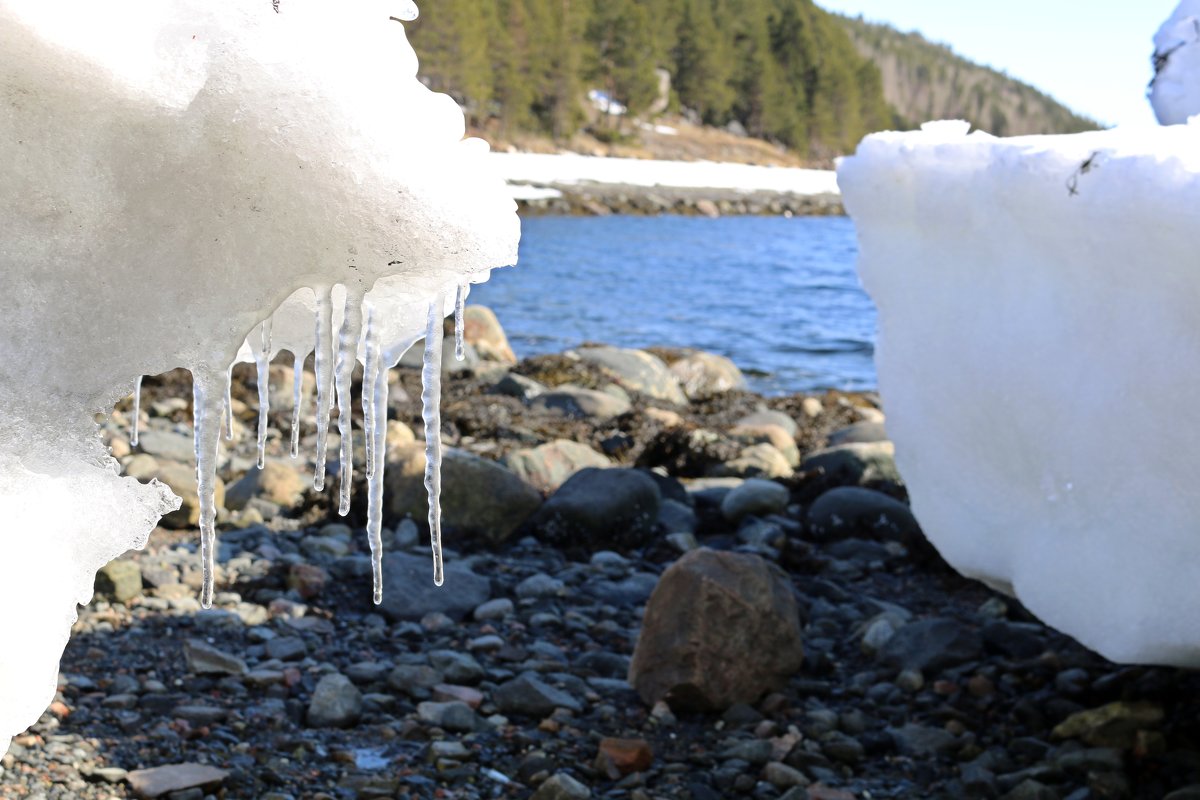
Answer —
784 69
925 81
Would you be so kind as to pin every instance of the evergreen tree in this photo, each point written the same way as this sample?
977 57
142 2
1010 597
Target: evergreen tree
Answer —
623 46
701 63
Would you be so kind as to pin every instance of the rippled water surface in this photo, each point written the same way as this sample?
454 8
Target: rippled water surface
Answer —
778 296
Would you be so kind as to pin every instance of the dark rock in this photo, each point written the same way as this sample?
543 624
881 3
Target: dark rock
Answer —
1018 640
855 464
518 386
599 509
754 496
922 740
530 696
931 645
409 591
204 659
849 511
561 787
859 433
720 628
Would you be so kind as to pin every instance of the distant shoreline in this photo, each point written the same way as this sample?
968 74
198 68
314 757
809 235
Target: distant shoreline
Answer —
594 186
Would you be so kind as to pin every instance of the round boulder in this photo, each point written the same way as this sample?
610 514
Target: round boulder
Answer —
599 509
756 497
482 330
580 403
852 512
855 464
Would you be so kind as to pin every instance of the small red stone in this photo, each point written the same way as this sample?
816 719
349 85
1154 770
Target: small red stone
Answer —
619 757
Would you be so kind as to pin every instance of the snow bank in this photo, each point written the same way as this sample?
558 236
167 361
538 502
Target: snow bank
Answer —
177 170
568 169
1038 336
1175 89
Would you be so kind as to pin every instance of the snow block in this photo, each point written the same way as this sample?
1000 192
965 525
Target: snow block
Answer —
1038 343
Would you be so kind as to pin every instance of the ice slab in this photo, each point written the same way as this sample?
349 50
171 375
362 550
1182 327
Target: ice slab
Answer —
1038 343
177 172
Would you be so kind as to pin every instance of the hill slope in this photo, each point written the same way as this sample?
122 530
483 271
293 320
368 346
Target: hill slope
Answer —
924 81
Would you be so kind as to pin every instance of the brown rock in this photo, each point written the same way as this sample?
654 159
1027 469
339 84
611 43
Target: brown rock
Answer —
478 496
157 781
482 330
308 580
720 628
181 479
773 435
620 757
548 466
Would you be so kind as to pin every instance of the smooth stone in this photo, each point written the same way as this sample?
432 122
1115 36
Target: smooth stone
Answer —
549 466
677 517
755 496
855 464
483 331
858 433
119 581
409 592
767 417
637 371
922 740
158 781
773 435
561 787
519 386
702 374
479 497
853 512
600 509
575 401
167 445
499 608
930 645
758 460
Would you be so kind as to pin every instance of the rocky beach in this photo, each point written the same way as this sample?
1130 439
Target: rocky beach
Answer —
658 585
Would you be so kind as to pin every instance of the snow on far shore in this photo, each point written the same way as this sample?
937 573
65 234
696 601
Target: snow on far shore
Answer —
538 169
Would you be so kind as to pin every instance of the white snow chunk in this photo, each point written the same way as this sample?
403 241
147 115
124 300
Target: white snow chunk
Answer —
1175 89
177 173
1037 336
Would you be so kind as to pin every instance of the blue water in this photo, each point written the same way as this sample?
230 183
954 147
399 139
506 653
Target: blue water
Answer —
778 296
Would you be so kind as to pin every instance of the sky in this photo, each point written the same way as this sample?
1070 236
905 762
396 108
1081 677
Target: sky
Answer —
1091 55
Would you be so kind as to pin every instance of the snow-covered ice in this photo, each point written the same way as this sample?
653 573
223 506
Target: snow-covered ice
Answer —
1175 89
1038 343
179 173
540 169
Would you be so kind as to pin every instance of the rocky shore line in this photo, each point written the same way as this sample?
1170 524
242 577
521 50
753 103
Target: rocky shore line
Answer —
605 199
658 585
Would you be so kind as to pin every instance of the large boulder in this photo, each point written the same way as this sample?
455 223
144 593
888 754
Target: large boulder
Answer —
181 479
705 374
575 401
482 330
409 591
548 466
479 497
600 509
636 371
720 628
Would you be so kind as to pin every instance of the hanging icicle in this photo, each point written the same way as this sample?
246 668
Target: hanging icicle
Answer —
431 393
347 353
137 411
323 367
262 362
460 302
208 386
